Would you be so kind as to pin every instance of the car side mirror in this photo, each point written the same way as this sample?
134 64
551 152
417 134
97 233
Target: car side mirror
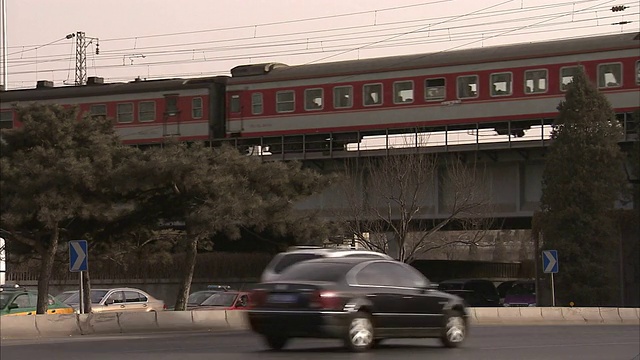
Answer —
13 306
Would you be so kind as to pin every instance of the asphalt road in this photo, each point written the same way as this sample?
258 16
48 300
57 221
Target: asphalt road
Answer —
605 342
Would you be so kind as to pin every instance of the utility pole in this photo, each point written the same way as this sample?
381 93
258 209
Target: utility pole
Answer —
81 54
5 47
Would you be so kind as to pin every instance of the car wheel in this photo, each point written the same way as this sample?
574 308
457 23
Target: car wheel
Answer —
455 330
360 332
276 342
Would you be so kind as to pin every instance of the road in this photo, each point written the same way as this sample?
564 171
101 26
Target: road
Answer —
495 342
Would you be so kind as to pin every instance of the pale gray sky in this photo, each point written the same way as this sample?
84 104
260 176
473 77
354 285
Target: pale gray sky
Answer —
181 38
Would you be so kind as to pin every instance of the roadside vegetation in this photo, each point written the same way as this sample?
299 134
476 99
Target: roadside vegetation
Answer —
64 179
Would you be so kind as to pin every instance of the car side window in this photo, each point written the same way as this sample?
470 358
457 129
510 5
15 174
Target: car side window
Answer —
115 298
388 274
51 301
23 301
132 296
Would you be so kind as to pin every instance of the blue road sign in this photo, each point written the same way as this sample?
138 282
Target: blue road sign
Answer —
78 255
550 261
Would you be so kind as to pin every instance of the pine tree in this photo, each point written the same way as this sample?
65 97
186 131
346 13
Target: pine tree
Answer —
582 179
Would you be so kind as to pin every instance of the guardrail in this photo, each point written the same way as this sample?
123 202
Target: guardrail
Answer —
49 326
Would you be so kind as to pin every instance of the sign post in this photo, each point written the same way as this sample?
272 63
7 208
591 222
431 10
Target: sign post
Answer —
550 265
79 262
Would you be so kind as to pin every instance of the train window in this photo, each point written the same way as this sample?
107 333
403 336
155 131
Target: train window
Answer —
403 92
285 101
535 81
467 86
97 111
372 94
234 104
171 103
501 84
256 103
566 76
638 72
609 75
196 108
125 113
434 89
6 119
342 97
313 99
147 111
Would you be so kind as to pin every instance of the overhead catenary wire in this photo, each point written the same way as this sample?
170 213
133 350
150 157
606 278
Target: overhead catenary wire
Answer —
332 43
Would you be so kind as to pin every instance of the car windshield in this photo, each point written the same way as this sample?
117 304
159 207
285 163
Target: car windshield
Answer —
220 299
331 272
96 297
64 296
198 297
289 259
522 289
4 299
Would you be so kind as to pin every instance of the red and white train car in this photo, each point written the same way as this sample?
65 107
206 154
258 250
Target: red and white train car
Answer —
144 112
508 88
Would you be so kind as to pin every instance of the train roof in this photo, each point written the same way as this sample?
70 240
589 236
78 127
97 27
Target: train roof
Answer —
447 58
97 89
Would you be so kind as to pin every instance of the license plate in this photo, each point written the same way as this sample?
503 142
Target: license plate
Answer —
283 298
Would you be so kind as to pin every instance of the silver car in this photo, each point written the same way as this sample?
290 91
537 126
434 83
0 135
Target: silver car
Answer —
297 254
119 300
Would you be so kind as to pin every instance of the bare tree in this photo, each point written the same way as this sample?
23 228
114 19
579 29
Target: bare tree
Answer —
399 203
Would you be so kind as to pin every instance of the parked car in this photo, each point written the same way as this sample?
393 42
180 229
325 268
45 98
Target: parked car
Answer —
503 288
119 300
475 292
229 300
359 300
16 301
295 255
522 293
65 295
196 298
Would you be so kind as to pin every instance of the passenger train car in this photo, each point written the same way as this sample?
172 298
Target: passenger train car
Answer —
318 106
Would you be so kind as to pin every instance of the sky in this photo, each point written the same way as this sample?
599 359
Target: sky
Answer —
154 39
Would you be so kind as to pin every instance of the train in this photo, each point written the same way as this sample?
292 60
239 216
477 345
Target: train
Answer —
281 108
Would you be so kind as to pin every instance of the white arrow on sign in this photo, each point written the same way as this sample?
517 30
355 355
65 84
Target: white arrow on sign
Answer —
552 262
81 255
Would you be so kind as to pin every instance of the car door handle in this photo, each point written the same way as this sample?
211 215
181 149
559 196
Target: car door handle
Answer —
144 305
122 306
407 297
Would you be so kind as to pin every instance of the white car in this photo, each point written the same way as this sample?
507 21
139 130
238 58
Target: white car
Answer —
297 254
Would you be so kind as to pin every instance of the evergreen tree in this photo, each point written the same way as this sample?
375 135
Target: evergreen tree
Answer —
216 191
582 179
56 172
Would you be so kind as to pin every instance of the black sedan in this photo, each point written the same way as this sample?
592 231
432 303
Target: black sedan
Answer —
358 300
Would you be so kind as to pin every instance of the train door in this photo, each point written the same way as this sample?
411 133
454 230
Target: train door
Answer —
171 115
235 113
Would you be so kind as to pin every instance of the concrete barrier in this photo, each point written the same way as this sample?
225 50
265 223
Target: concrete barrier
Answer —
175 320
132 322
18 327
531 315
209 320
59 325
629 315
610 315
509 315
552 314
488 315
99 323
237 320
21 327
